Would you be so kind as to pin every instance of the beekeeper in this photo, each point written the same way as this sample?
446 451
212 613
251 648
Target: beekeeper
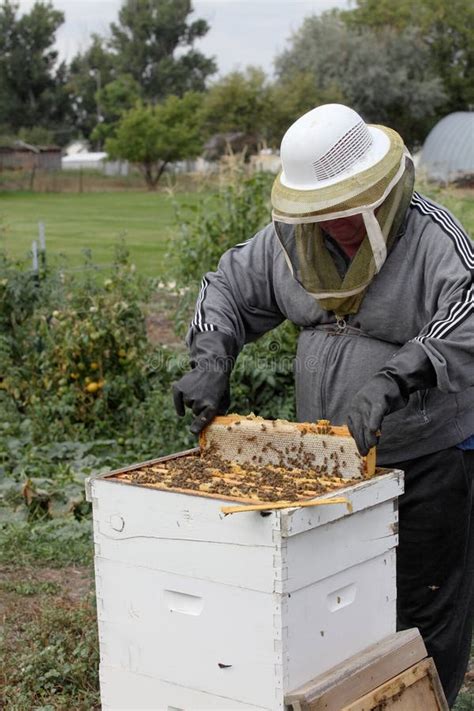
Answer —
379 280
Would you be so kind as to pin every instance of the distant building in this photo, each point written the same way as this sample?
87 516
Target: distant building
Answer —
85 160
448 152
23 156
267 161
222 144
79 146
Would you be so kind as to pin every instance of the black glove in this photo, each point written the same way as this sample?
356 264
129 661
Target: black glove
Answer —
205 389
388 391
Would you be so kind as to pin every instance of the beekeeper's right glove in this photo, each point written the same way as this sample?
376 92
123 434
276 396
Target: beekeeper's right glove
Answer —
205 389
387 391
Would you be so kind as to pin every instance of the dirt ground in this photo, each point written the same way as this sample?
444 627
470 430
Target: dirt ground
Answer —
160 325
19 586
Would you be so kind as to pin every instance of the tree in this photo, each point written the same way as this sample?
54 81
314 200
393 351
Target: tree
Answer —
386 76
89 72
32 85
292 96
153 136
447 30
117 97
238 102
149 40
247 102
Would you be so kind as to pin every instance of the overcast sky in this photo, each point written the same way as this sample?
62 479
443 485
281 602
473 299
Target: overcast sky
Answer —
242 31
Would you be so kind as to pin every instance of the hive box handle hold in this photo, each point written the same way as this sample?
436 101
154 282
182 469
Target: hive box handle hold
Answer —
184 603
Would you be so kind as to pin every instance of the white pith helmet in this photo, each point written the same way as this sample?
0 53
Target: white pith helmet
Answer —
334 165
328 144
330 156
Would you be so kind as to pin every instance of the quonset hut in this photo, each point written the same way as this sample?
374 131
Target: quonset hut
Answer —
448 152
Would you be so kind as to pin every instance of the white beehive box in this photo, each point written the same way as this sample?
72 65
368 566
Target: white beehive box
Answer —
200 611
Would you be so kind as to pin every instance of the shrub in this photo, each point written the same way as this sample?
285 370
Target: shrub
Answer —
236 213
74 350
81 388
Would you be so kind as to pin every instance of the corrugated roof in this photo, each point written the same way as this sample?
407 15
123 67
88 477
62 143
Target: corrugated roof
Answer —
448 152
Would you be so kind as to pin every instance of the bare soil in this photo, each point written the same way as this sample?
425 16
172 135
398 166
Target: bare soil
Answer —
160 318
73 583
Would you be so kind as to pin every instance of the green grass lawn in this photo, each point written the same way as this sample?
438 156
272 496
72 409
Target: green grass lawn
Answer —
77 222
460 201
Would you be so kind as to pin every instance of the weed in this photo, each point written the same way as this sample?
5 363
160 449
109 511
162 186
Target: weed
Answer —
50 658
54 543
31 587
464 702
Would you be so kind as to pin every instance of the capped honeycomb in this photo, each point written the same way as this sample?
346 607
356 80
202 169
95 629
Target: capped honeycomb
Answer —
251 440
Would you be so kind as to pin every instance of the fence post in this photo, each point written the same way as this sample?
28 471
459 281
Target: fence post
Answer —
32 178
34 252
42 243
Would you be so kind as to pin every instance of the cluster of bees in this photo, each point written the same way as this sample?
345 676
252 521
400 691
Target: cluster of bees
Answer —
295 476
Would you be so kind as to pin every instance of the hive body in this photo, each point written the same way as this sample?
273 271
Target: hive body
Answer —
201 611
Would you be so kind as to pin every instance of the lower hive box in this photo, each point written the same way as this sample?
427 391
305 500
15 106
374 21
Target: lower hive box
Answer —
202 610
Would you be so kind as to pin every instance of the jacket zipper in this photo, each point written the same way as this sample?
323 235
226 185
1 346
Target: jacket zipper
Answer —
322 394
330 344
341 325
422 395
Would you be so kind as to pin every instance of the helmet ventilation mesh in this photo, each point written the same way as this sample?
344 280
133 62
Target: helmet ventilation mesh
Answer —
347 151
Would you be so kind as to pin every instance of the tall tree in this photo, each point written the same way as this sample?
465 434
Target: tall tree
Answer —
153 136
32 84
238 102
113 100
247 102
293 95
89 72
149 40
386 76
446 28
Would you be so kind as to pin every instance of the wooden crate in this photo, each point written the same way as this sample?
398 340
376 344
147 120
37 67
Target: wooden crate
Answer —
197 610
416 689
393 674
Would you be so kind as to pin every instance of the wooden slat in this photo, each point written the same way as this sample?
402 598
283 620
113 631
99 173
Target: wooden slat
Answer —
149 462
315 427
415 689
360 674
285 505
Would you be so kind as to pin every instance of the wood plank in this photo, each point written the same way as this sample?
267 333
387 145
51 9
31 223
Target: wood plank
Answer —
360 674
340 545
389 484
320 426
106 475
414 689
176 516
272 506
417 697
179 629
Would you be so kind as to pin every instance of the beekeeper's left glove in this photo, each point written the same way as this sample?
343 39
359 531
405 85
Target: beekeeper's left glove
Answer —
205 389
387 391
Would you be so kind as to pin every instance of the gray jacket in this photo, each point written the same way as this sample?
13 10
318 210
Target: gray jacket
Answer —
423 293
